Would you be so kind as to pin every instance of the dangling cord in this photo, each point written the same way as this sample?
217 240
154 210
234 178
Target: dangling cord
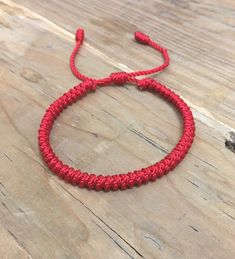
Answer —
119 77
144 39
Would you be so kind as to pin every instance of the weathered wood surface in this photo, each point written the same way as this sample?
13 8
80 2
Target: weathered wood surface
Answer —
189 213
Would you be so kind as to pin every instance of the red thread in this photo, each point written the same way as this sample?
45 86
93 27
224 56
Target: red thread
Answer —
142 38
118 181
119 78
80 35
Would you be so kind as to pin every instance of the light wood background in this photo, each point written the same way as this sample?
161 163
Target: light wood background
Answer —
190 213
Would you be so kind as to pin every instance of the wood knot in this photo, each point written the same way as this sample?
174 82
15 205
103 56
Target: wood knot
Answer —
230 141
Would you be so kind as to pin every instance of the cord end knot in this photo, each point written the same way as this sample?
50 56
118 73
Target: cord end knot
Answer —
80 35
141 38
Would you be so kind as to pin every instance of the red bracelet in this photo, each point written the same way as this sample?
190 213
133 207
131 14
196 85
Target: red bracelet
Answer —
130 179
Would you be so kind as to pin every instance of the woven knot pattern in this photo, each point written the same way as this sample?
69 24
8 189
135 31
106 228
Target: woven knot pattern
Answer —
146 83
130 179
90 84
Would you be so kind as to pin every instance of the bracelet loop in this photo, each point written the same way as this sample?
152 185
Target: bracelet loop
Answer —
117 181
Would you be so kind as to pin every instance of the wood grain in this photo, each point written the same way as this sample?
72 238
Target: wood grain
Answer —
188 213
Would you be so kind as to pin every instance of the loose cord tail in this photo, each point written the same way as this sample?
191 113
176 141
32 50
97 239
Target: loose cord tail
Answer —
121 77
142 38
79 37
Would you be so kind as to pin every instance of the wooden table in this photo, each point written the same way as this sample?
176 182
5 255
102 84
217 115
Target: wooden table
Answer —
190 213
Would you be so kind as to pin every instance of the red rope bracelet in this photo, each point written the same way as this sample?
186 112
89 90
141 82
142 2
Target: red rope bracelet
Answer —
130 179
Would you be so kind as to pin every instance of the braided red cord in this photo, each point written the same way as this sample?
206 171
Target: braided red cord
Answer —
118 181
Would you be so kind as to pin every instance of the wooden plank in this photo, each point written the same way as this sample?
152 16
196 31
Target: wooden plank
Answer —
10 246
187 214
198 35
31 211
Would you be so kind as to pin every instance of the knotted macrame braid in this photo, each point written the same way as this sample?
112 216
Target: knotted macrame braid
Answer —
130 179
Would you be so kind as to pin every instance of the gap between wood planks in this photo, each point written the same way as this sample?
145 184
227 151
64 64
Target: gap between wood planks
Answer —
102 225
199 113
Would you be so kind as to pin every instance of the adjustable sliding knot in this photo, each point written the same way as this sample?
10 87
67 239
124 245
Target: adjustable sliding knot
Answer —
119 78
89 84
